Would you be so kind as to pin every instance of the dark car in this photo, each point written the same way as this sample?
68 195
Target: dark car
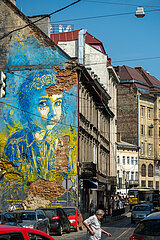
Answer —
139 212
32 219
58 220
8 219
148 228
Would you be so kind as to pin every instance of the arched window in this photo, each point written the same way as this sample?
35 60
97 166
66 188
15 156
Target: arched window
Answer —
143 170
150 170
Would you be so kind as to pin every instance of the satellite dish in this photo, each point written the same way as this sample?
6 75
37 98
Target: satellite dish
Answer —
140 12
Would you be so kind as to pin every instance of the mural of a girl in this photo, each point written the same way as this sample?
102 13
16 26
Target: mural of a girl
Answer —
45 145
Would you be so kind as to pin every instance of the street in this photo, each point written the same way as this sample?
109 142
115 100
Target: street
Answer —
120 229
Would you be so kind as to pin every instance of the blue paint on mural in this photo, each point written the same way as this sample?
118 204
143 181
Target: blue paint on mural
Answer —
38 127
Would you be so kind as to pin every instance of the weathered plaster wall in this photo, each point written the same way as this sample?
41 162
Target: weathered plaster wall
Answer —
38 130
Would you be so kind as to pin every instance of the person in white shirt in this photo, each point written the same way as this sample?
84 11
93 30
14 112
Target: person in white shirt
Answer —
11 207
93 226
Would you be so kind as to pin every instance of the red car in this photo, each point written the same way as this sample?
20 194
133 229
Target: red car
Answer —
8 232
75 217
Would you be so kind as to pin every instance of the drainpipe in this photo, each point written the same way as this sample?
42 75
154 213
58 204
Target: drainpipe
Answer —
138 140
97 149
78 160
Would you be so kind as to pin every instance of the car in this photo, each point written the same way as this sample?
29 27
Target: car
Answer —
75 217
148 228
32 219
139 212
8 219
58 220
19 233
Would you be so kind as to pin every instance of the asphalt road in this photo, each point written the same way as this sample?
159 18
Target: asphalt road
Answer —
120 229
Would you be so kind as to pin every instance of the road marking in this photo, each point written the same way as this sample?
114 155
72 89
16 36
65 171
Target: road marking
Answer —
123 233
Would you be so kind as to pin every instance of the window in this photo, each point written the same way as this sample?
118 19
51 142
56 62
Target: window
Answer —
142 130
143 170
157 170
118 159
123 175
136 176
159 114
132 176
14 236
35 236
149 131
136 160
157 185
150 184
159 131
127 176
149 149
150 170
132 160
159 149
143 183
149 113
142 111
128 160
142 148
123 159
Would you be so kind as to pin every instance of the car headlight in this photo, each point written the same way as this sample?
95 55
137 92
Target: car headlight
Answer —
28 226
72 220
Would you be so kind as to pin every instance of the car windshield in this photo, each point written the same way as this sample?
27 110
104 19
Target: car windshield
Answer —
70 211
26 216
50 212
141 208
149 228
10 217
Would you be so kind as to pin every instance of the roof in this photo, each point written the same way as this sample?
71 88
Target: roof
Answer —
73 35
142 80
127 145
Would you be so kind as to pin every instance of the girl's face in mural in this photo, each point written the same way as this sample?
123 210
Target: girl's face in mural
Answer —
48 107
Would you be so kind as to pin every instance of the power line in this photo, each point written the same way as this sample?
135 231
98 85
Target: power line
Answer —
102 16
17 29
117 3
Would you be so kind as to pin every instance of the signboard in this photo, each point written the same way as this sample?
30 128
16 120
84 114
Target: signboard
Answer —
67 183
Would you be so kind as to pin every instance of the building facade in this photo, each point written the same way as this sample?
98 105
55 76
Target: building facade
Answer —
138 119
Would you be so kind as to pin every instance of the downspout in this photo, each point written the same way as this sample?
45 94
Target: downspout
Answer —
97 149
138 139
78 160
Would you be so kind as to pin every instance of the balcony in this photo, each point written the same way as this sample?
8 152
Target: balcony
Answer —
88 169
133 183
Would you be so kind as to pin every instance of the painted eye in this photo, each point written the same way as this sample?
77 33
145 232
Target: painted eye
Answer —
58 103
42 104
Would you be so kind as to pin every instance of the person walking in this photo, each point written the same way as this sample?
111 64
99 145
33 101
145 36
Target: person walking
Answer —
23 206
11 208
93 226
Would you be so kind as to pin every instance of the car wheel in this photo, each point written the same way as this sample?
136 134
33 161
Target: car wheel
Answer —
81 227
76 229
47 230
68 229
60 231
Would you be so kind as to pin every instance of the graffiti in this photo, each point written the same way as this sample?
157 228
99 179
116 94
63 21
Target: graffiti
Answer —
38 134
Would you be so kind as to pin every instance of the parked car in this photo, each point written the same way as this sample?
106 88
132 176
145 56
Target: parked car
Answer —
139 212
58 220
148 228
32 219
20 233
75 217
8 219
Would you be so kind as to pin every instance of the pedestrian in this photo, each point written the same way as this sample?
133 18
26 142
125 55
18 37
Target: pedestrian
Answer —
23 206
93 226
11 208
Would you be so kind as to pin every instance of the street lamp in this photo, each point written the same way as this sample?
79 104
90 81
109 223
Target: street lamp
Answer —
140 12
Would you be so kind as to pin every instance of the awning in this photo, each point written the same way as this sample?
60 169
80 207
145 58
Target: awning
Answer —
90 184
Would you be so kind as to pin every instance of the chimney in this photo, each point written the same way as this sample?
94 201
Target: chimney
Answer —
44 24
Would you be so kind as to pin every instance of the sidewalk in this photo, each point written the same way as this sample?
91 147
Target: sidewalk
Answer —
108 219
